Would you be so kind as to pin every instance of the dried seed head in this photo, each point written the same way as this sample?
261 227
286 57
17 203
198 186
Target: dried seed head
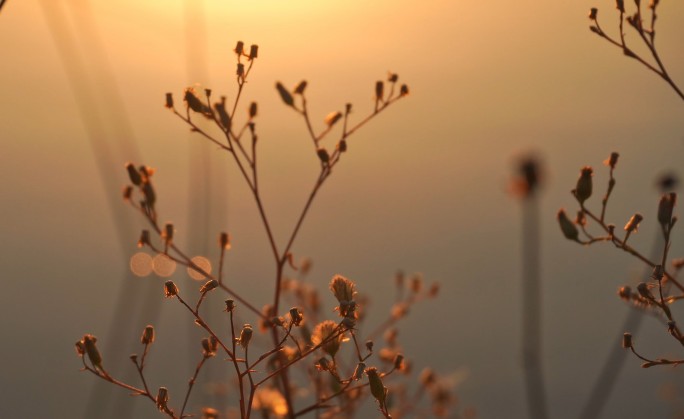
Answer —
324 364
343 289
208 286
584 184
245 336
378 390
169 100
230 305
665 208
593 12
613 159
620 5
296 316
194 102
144 238
224 118
332 118
379 90
528 176
392 77
658 272
323 335
252 110
224 241
627 340
127 192
253 51
633 223
299 89
239 48
162 399
404 90
240 70
342 146
568 228
147 337
358 371
80 348
170 289
643 290
581 219
167 234
369 345
625 293
92 351
133 174
323 155
150 195
285 94
399 361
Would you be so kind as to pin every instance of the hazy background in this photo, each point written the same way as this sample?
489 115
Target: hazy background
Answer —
423 188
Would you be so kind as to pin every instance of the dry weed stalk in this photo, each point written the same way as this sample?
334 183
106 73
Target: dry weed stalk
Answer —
646 32
265 378
655 295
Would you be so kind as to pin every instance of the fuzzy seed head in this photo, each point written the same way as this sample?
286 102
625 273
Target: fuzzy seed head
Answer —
170 289
323 335
568 228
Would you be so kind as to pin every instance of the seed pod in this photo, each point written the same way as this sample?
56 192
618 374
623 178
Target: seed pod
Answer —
584 184
253 51
150 195
665 208
147 335
168 233
568 228
379 90
392 77
170 289
209 285
127 193
133 174
620 5
92 351
627 340
593 12
144 238
378 390
240 70
633 223
169 100
162 399
224 118
230 305
398 361
613 159
245 336
323 155
224 241
285 94
404 91
252 110
332 118
239 48
299 89
643 290
296 316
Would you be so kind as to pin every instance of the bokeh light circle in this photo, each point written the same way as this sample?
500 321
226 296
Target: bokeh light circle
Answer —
201 262
163 265
141 264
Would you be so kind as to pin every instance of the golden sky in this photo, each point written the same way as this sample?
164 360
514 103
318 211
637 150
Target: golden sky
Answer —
423 187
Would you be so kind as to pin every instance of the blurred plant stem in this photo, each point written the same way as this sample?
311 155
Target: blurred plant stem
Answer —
532 311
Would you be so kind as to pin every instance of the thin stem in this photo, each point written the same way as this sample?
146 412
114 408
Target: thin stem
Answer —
191 384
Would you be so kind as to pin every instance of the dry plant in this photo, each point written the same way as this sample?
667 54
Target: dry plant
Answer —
327 359
661 289
645 31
